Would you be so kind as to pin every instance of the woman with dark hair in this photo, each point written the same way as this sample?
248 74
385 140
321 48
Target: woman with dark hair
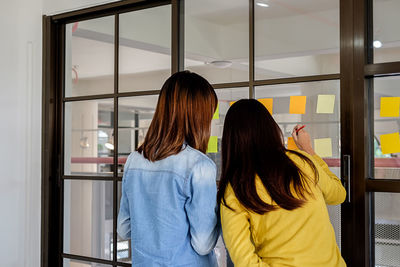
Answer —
273 200
168 204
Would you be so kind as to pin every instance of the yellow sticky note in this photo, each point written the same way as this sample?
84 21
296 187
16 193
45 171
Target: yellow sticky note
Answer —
216 114
390 106
291 144
390 143
297 104
323 147
325 104
213 145
231 103
268 103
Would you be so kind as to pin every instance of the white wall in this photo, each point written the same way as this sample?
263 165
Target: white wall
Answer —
20 126
20 117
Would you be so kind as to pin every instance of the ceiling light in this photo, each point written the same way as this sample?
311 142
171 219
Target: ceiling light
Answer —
110 143
109 146
221 63
377 44
262 4
84 142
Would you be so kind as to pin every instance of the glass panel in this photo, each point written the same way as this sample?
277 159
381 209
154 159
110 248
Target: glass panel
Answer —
76 263
387 229
88 218
296 38
217 39
144 49
89 137
135 115
89 57
124 253
386 41
321 117
225 98
387 125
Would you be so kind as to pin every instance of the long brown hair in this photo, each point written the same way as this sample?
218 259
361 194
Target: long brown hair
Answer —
252 144
184 112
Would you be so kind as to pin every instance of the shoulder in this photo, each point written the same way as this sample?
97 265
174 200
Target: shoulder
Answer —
307 167
231 199
300 160
133 157
198 158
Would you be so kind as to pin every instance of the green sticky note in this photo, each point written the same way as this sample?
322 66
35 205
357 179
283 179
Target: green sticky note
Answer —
390 143
390 106
323 147
325 104
213 145
216 114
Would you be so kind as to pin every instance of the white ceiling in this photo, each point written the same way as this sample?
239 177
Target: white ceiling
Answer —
94 58
232 11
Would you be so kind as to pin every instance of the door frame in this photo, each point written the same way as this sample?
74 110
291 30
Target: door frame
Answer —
356 71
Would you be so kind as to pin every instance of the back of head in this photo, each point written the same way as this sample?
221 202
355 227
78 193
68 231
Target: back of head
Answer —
252 144
184 112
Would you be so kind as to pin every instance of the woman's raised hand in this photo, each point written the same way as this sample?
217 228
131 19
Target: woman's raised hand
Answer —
302 139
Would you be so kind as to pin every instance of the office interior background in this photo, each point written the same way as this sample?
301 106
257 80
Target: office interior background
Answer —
67 130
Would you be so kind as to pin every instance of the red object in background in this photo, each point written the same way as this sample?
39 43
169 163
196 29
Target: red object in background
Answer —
75 26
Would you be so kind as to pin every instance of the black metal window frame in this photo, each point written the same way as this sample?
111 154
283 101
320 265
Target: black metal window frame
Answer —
356 95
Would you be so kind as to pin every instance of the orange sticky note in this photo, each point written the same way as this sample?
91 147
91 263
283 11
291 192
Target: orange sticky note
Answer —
231 103
390 143
291 144
297 104
390 106
268 103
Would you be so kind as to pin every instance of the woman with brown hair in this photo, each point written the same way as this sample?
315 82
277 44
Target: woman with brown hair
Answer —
168 204
273 200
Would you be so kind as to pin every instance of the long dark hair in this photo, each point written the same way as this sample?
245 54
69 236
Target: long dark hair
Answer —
252 144
184 112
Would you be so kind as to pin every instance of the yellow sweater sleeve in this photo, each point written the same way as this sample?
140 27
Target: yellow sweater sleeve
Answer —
330 185
237 234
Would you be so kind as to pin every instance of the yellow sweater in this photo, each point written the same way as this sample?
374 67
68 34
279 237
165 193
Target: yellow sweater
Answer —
303 237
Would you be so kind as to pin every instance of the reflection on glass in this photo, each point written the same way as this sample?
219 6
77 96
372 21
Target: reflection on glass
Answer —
387 229
88 218
387 161
76 263
89 57
144 49
217 39
135 115
124 253
386 42
89 137
296 38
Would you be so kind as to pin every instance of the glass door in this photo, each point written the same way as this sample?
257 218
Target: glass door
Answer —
383 81
106 66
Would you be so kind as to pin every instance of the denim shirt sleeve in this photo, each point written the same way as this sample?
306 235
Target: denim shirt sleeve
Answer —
201 207
124 220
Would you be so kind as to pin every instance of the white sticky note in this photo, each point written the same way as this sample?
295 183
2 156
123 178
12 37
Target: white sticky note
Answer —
325 104
323 147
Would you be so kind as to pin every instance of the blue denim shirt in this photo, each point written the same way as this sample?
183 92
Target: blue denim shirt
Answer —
168 209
